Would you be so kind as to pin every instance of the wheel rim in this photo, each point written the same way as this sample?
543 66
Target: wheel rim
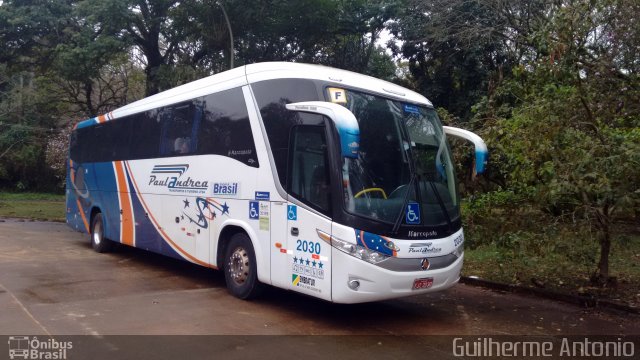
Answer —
97 233
239 266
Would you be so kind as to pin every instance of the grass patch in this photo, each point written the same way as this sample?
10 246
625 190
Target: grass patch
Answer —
36 206
9 196
532 249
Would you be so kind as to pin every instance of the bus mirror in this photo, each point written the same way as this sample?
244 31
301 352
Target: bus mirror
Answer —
481 148
344 120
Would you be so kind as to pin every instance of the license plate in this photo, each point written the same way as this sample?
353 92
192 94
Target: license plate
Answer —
419 284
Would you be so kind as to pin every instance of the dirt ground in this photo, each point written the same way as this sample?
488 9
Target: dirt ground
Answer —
53 283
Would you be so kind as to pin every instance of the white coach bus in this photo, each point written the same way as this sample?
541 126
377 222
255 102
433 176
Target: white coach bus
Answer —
313 179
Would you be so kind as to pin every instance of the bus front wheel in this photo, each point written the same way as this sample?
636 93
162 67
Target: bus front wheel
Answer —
98 241
240 270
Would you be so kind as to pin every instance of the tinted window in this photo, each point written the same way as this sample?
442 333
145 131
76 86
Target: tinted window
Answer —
145 140
74 151
214 124
110 141
119 135
272 96
308 178
178 129
225 129
83 147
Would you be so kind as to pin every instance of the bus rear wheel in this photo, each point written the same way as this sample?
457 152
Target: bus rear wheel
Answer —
240 268
98 242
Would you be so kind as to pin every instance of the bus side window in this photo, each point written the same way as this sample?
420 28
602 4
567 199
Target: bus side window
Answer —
114 140
308 178
177 129
145 140
272 96
74 145
225 129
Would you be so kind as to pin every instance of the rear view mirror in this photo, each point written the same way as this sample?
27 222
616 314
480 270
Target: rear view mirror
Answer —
482 154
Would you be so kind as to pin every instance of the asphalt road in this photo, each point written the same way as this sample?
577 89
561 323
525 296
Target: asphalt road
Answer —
52 282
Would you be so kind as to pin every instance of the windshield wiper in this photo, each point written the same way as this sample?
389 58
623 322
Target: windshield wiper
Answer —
414 176
441 203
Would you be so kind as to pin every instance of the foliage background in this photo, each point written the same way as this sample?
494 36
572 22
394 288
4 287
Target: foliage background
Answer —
552 86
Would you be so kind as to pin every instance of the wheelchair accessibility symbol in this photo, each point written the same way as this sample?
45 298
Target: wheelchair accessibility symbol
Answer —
253 210
413 214
292 212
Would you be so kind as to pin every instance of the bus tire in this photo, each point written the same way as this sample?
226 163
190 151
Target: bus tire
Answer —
98 242
240 268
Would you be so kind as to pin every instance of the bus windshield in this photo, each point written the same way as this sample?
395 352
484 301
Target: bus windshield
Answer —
403 173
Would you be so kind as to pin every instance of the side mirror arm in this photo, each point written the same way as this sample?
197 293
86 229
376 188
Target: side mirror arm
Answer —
345 122
482 153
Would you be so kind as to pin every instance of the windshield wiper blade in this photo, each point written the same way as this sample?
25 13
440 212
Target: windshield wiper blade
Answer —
405 201
441 204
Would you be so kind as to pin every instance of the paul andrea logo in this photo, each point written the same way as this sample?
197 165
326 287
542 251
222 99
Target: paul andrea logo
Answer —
32 348
174 181
424 248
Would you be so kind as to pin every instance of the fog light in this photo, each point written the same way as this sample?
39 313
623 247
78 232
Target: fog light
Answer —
354 284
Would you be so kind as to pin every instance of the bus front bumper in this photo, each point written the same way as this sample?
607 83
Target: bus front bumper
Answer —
376 283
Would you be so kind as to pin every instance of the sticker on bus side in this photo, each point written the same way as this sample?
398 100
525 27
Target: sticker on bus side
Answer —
292 212
228 189
304 282
264 216
253 210
263 195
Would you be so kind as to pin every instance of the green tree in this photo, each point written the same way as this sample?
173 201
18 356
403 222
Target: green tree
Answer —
573 141
353 46
56 39
26 117
459 51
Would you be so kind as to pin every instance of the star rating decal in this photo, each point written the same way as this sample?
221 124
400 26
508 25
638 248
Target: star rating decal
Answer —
312 263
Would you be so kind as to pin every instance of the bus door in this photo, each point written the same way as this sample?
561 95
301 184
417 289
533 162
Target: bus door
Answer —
308 186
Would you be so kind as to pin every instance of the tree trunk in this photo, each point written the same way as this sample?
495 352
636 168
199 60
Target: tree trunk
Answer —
152 80
604 221
88 93
605 248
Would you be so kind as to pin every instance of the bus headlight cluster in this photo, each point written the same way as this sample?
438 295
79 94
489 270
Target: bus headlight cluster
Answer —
459 250
459 244
357 251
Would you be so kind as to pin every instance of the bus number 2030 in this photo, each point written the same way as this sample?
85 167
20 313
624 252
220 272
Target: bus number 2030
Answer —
308 246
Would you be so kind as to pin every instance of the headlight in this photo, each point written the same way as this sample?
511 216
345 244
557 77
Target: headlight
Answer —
357 251
459 250
459 243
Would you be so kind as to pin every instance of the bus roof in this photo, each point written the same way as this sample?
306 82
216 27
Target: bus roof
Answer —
258 72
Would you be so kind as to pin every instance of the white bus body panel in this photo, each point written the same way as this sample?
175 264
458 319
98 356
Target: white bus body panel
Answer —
284 70
182 194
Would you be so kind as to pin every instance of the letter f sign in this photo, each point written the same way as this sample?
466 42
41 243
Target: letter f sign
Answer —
338 95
